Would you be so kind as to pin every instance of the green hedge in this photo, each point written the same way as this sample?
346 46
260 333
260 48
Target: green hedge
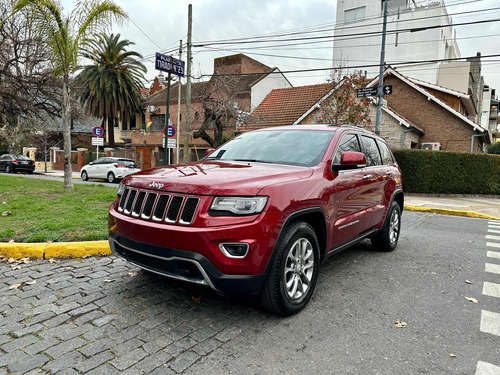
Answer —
442 172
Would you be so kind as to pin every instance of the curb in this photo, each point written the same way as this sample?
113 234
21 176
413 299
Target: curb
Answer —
447 211
89 248
54 250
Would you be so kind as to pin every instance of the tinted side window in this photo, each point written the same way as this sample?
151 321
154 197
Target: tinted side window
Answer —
371 152
99 161
349 142
386 153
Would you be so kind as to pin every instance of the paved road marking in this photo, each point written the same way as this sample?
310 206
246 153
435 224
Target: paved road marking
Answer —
493 244
494 268
491 289
491 237
484 368
493 231
493 254
490 322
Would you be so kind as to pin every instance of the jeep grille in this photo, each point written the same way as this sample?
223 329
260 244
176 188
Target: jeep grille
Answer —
169 208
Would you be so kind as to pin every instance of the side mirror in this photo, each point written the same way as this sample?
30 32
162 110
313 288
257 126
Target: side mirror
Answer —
91 163
209 152
351 160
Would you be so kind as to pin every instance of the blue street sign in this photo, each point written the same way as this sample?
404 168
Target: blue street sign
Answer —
171 131
97 131
168 64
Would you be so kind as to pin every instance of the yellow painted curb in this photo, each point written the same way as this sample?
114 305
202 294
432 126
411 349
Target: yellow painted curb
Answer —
76 249
20 250
446 211
54 250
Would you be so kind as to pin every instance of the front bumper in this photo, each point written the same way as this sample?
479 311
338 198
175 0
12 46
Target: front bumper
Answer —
182 265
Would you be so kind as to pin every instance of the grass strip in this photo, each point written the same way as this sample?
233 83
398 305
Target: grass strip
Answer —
39 210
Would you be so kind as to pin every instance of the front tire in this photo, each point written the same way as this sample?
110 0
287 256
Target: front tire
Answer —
85 176
294 271
386 239
111 177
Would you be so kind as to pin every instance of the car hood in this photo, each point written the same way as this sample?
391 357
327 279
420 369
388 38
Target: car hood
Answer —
216 178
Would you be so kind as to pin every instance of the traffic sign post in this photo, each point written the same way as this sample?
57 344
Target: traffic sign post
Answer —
97 141
170 65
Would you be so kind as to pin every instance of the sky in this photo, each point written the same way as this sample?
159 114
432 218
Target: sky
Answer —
159 25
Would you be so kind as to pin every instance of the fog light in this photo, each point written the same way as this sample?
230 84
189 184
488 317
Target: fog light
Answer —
234 250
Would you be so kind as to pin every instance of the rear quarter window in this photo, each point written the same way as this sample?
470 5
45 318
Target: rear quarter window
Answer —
386 154
371 152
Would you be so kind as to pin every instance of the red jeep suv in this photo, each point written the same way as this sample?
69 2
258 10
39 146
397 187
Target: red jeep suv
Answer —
260 213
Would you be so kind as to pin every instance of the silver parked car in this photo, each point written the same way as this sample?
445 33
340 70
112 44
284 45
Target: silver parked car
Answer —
109 168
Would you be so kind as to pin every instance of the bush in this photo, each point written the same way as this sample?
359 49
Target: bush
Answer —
442 172
494 148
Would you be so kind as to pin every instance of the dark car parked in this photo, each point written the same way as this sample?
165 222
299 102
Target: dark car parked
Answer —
14 163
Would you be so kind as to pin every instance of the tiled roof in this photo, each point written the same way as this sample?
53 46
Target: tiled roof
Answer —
285 106
198 92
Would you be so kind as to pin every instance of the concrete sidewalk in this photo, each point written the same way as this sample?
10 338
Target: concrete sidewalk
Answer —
469 206
460 205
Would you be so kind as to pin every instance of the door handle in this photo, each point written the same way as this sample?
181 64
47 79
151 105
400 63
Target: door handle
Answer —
367 176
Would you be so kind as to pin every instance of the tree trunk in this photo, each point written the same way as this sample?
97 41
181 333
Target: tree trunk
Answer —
66 129
111 131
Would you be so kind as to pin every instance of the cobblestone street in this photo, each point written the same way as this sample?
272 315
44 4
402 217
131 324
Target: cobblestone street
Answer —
103 316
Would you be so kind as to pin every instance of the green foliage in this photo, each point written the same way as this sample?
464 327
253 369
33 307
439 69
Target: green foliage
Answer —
42 210
110 85
494 148
441 172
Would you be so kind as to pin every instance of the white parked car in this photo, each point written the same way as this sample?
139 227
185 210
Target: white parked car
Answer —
109 168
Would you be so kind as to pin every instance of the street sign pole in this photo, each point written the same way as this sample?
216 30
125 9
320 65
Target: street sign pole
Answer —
166 149
381 72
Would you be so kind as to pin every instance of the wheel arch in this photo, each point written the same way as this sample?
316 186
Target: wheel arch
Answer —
315 217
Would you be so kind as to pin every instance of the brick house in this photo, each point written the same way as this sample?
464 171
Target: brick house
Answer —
443 114
250 81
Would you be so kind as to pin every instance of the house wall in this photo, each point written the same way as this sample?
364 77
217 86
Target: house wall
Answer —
439 124
265 86
455 75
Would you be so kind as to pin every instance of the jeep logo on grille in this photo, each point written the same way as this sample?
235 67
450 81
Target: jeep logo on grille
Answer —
155 185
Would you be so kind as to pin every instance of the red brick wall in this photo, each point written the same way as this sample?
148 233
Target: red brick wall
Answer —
439 124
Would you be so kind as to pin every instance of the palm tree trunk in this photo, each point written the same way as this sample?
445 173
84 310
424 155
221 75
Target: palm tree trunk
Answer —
66 129
111 132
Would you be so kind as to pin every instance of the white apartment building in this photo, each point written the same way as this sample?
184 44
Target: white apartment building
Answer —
358 36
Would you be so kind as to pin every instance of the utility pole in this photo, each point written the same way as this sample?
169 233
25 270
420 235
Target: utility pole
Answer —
179 106
166 154
380 93
188 85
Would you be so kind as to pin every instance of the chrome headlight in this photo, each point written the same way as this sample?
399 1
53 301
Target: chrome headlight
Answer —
239 205
121 189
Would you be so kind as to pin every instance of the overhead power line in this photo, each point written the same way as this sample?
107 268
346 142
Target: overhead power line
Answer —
402 63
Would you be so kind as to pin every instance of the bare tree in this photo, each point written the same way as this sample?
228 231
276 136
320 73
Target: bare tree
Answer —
342 106
28 87
221 107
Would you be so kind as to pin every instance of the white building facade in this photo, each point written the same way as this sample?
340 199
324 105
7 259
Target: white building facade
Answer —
417 30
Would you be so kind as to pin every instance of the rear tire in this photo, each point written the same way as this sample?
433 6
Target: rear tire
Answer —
85 176
294 271
111 177
386 239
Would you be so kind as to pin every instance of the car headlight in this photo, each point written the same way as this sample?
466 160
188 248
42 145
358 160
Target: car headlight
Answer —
238 205
121 189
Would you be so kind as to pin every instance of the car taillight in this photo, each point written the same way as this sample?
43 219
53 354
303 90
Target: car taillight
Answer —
32 162
15 161
120 165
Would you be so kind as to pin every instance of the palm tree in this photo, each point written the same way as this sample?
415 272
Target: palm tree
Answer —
110 86
66 35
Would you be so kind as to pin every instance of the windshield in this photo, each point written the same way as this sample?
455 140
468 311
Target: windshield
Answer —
295 147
